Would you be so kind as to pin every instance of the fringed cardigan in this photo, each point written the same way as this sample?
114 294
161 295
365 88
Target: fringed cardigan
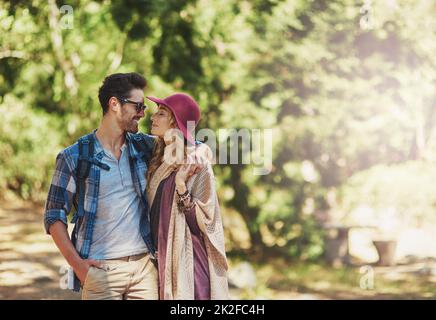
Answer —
179 267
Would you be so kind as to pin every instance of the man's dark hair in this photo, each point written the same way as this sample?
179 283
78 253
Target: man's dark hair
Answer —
119 85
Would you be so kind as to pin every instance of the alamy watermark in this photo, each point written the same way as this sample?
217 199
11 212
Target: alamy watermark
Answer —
66 280
367 279
367 16
231 146
67 19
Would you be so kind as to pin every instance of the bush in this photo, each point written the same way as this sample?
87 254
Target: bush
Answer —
29 142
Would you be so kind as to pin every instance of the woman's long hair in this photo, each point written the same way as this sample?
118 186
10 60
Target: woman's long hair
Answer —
159 150
156 159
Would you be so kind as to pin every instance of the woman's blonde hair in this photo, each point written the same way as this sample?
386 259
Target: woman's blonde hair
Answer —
159 149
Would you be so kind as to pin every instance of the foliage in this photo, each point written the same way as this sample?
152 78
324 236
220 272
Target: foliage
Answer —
349 104
29 142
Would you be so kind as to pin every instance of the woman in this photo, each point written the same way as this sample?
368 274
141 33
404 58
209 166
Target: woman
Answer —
185 215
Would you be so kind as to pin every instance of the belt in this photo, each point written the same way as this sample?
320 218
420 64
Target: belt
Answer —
130 258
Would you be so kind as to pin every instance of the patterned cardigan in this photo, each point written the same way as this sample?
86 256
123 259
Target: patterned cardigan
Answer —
179 267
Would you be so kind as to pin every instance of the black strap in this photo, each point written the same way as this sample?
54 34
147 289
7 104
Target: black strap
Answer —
86 152
144 147
84 162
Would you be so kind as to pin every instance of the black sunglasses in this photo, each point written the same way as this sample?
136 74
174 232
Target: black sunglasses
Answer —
138 105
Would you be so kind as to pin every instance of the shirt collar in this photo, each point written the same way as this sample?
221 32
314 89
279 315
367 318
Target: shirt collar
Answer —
99 150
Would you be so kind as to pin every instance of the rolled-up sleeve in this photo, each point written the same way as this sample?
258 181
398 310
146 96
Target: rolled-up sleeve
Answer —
60 195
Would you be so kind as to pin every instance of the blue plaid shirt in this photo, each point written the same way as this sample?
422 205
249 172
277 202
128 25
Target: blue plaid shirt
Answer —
62 192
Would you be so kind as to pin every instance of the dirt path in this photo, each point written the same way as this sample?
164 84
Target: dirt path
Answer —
30 264
31 267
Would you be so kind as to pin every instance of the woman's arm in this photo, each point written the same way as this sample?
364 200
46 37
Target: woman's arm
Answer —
185 204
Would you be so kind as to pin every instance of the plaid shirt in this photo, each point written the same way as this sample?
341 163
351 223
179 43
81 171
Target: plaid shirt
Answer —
60 200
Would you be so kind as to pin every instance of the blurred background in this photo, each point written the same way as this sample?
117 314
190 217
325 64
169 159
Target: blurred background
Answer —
347 86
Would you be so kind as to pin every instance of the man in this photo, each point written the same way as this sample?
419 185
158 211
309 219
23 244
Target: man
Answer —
111 252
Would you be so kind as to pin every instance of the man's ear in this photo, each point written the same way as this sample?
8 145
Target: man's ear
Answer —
114 104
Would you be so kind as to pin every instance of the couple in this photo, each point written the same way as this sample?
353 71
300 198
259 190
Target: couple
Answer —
146 226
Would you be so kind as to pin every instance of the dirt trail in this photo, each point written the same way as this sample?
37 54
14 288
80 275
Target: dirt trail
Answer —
30 264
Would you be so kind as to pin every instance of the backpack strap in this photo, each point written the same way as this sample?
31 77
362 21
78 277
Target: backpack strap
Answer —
86 152
84 162
143 146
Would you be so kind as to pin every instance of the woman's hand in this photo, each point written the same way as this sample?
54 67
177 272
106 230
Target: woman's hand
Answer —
184 172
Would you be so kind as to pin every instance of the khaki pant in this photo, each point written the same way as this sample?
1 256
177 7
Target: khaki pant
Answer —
135 277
